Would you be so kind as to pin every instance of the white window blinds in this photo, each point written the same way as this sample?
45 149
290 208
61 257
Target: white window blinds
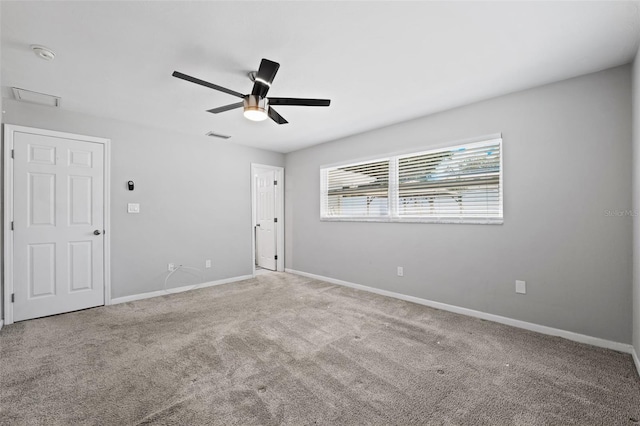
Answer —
360 190
460 184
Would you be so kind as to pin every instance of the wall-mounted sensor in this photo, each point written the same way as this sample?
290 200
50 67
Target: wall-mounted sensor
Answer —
130 185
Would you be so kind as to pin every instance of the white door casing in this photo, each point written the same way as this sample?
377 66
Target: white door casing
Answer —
58 211
265 219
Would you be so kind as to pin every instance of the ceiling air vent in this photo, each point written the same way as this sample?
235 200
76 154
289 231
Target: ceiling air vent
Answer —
217 135
35 97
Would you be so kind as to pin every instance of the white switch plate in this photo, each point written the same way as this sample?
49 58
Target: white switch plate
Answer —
171 267
400 271
521 287
133 208
207 263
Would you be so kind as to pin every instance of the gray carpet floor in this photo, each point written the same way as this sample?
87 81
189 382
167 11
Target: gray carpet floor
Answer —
283 349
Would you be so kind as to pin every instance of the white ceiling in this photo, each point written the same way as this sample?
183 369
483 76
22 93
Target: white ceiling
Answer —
379 62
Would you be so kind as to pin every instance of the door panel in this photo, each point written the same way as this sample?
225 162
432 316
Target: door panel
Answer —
265 215
80 188
80 158
42 270
58 204
42 154
80 266
41 199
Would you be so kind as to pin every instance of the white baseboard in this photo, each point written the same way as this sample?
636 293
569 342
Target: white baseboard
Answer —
636 360
582 338
151 294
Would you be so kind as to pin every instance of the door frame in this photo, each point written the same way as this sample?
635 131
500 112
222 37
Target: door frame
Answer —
279 214
7 211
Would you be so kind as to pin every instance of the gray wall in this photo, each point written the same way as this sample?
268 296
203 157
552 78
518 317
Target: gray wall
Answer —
567 159
636 204
194 195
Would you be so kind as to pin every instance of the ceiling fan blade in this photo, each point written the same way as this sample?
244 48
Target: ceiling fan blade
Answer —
207 84
264 77
299 102
276 117
226 108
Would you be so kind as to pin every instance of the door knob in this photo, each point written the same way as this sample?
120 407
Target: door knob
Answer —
96 232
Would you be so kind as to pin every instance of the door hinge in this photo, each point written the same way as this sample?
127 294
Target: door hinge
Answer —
275 182
275 257
13 297
13 153
275 220
12 225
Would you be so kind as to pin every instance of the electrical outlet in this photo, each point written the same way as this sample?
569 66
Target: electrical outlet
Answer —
133 208
207 263
400 271
521 287
171 267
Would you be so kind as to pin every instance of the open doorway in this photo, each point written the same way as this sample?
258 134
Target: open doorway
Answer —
267 201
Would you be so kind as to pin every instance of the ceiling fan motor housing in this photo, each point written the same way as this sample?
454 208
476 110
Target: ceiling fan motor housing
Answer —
255 107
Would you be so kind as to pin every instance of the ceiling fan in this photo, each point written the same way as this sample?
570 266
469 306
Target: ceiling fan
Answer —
257 106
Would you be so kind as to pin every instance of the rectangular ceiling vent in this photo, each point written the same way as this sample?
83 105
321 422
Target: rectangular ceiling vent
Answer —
36 98
217 135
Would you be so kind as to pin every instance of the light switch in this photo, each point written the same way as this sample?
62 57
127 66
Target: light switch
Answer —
521 287
133 208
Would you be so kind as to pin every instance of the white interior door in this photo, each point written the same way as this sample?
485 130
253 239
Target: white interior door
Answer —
265 219
58 215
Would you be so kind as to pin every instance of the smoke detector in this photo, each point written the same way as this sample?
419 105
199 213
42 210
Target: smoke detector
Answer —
43 52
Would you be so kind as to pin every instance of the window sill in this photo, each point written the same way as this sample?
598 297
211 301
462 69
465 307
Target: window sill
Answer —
454 220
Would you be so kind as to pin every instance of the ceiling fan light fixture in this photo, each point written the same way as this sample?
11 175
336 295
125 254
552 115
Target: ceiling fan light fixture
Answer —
255 108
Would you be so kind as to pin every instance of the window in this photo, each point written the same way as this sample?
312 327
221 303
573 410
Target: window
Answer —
357 190
460 184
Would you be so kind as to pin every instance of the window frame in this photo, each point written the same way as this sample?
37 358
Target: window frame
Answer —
393 190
